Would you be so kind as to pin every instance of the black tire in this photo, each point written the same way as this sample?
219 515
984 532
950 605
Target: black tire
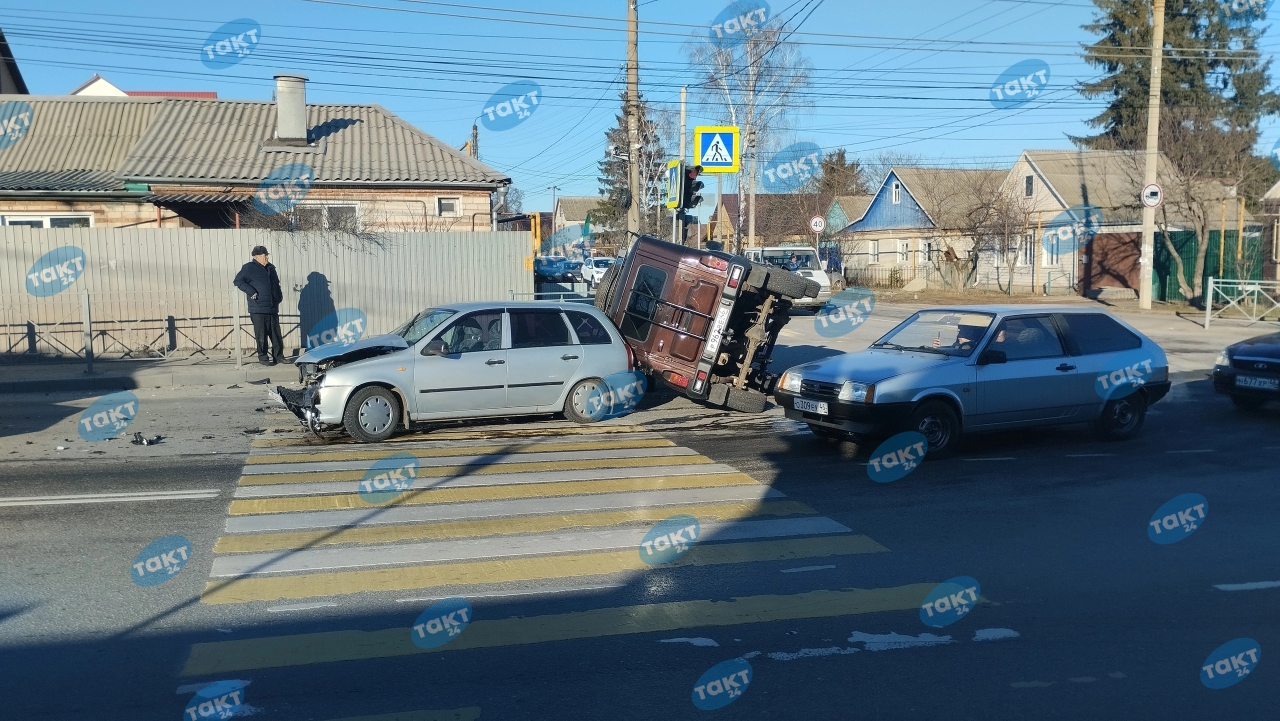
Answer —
1122 418
939 424
1248 403
605 288
372 415
575 404
782 282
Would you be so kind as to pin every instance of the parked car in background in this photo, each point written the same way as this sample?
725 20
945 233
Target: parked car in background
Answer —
702 322
1249 371
552 269
947 371
467 360
593 269
801 260
573 271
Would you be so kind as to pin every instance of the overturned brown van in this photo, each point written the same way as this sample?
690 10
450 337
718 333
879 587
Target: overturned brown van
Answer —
703 322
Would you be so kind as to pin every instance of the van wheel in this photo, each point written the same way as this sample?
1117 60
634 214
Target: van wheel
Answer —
937 422
1122 418
604 289
745 401
575 405
372 415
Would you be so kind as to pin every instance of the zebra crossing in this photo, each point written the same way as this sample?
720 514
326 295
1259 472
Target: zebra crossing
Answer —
500 510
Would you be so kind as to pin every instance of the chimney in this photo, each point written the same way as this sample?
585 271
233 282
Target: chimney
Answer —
291 109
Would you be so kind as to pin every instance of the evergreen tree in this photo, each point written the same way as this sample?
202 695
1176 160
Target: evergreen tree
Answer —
609 219
1208 65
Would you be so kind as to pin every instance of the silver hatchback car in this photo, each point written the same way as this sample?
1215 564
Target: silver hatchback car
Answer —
467 360
946 371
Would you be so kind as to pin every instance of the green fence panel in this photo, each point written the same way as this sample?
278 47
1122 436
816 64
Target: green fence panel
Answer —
1248 266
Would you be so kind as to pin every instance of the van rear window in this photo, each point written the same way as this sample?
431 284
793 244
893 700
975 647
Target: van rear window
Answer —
643 304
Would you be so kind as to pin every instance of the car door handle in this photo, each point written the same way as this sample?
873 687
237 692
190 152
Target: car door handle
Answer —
567 357
1064 368
494 362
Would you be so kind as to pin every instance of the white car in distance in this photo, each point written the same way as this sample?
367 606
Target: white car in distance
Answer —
593 269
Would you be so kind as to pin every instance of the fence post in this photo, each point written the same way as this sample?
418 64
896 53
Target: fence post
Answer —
88 334
1208 303
235 310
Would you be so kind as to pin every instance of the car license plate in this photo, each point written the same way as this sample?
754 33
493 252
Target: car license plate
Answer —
811 406
717 332
1266 384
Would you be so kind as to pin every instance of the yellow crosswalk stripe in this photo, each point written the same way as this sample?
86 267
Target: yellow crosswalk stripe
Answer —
403 578
295 540
428 496
322 456
269 479
488 433
209 659
471 713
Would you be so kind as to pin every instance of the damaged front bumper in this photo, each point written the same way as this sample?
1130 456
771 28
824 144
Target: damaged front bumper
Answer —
314 405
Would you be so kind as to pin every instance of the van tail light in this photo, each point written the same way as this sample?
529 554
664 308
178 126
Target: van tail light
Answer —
713 262
735 276
675 379
631 357
702 375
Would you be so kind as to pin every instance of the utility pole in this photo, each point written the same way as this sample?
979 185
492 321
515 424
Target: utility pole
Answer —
633 118
1147 259
751 185
675 217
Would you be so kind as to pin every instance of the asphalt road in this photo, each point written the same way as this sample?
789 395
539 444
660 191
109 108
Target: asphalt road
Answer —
818 585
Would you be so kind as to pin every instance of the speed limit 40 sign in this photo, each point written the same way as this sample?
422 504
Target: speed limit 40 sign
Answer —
817 224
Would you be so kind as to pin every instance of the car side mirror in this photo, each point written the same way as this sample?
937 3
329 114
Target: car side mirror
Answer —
435 346
990 357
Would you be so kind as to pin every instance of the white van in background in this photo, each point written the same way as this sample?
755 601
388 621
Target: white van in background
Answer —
805 264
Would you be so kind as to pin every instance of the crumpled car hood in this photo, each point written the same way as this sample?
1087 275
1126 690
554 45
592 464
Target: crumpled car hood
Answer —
389 342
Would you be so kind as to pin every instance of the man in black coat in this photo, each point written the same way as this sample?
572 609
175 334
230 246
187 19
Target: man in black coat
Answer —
260 283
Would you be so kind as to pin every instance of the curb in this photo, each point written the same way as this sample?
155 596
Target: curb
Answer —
145 379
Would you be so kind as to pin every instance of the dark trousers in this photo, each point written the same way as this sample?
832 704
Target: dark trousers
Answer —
266 326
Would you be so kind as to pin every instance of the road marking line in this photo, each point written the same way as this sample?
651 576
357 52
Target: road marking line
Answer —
477 469
806 569
191 495
1255 586
495 479
566 430
257 543
301 607
510 594
404 578
207 659
519 507
1193 450
471 713
469 460
1001 458
431 496
454 450
467 550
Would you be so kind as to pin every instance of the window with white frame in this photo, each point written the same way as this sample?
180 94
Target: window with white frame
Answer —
48 221
1030 189
897 193
448 207
873 251
904 251
1027 245
1050 258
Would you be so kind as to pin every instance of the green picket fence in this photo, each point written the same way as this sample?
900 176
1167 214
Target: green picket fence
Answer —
1247 267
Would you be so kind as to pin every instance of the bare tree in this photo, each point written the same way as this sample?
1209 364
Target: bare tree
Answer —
968 216
755 85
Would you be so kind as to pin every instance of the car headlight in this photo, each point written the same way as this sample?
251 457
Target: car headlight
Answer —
856 392
1223 359
791 382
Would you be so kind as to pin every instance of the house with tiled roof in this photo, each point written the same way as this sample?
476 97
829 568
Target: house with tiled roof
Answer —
138 161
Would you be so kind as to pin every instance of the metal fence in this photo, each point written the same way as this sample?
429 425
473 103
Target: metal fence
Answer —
165 293
1250 300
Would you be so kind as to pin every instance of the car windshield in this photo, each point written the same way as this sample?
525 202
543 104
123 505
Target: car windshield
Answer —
952 332
422 324
798 259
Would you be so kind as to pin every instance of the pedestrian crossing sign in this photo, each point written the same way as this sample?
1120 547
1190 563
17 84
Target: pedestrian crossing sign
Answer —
718 148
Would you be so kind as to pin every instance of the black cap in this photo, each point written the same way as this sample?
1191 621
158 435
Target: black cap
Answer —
259 250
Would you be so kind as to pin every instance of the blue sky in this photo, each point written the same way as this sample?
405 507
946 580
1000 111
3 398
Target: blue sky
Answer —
911 76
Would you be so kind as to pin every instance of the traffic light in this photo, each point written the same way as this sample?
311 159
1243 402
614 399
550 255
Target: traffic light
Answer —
692 185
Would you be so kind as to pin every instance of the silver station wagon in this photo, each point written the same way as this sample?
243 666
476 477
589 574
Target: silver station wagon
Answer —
947 371
467 360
